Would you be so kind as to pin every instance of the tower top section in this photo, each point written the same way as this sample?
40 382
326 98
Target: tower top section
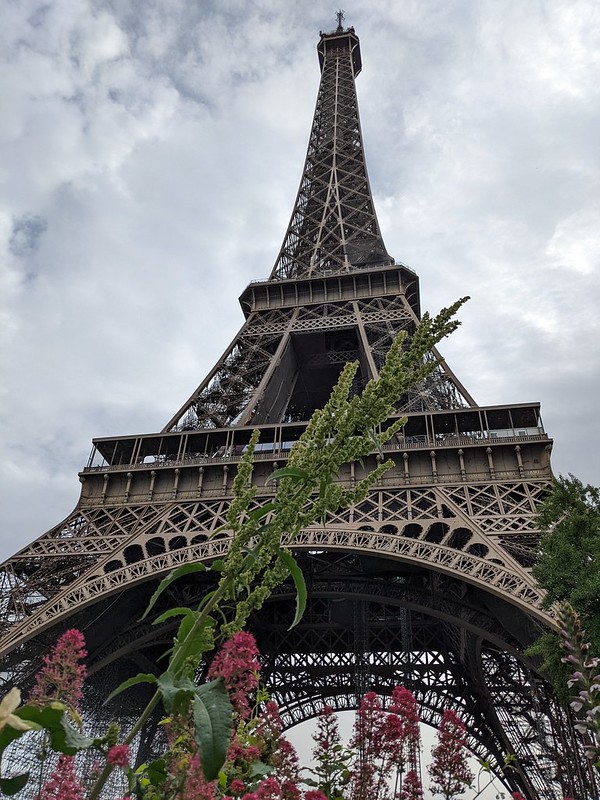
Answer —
340 39
333 227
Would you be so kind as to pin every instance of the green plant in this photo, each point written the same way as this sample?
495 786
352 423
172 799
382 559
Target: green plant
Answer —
260 558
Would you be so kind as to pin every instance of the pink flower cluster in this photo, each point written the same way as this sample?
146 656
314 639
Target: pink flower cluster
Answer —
404 705
284 758
63 785
196 787
449 769
387 743
238 665
411 787
327 735
118 756
268 789
62 676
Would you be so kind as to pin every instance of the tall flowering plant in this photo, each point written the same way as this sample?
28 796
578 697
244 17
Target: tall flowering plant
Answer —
259 559
63 673
387 744
382 759
449 770
331 758
61 680
368 740
584 680
408 743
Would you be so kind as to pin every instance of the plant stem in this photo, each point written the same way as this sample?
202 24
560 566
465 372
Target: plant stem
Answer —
175 663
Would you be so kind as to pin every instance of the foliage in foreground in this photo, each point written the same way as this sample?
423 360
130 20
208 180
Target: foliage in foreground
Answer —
259 559
568 567
224 737
381 761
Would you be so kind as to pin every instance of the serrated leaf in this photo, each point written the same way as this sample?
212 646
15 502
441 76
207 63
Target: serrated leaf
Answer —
184 569
10 786
141 677
212 714
299 582
295 473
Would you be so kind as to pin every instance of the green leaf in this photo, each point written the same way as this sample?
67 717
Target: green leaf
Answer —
212 726
299 582
261 512
175 691
191 646
295 473
13 785
376 443
8 734
180 611
259 768
141 677
69 740
217 566
184 569
156 771
64 738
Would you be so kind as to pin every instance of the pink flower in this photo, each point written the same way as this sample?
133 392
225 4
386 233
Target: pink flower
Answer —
239 752
196 786
449 769
63 784
287 769
411 788
118 756
314 794
62 676
237 786
269 789
238 665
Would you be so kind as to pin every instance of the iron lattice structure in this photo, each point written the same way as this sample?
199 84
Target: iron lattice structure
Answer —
426 583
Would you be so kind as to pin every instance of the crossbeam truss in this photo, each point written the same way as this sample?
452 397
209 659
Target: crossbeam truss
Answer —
425 583
263 375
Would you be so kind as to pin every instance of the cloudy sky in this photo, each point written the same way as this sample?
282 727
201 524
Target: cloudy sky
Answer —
150 155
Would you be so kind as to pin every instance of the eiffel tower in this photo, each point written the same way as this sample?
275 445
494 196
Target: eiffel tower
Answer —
426 583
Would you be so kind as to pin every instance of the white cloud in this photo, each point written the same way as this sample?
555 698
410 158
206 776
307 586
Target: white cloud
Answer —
575 245
150 161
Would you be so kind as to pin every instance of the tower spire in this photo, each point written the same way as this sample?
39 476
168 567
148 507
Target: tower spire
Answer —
333 227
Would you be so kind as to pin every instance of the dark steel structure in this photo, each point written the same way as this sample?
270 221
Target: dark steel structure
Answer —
426 583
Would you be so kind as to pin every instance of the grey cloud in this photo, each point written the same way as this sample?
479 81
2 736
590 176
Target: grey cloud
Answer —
27 232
